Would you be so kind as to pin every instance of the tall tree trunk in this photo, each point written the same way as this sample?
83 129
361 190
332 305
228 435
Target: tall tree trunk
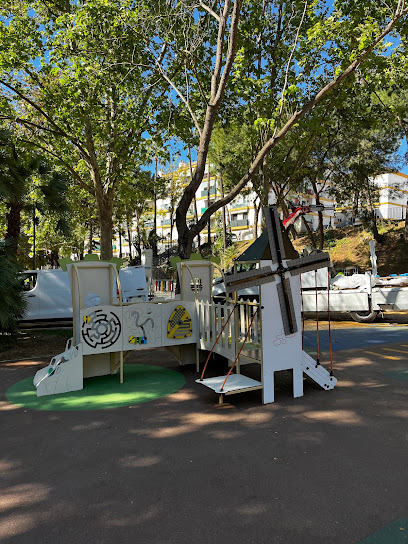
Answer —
321 230
104 192
196 219
263 171
105 211
130 237
13 225
257 205
194 199
320 216
209 195
185 243
90 243
406 222
54 257
155 210
372 218
224 219
309 232
354 210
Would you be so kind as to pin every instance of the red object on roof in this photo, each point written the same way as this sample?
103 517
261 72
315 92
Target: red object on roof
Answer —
292 217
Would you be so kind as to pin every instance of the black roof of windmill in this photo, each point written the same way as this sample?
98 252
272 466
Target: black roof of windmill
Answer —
274 245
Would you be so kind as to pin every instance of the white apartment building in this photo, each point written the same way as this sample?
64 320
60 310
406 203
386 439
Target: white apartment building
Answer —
393 196
391 204
240 214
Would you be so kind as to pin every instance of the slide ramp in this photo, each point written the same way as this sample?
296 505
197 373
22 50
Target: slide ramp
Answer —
63 374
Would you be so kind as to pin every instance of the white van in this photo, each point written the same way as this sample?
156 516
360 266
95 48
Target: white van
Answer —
48 292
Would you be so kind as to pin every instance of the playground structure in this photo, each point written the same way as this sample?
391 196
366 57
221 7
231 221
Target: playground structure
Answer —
190 325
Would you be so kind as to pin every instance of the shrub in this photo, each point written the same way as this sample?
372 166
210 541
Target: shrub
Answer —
12 302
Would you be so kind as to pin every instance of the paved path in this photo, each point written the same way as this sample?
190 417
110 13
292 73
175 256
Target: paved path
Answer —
328 468
357 337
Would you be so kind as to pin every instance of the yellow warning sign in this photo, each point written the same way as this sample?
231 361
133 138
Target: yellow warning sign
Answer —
179 325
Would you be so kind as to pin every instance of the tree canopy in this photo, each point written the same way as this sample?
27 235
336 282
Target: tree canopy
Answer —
100 87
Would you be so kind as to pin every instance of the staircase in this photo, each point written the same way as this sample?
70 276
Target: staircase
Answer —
318 373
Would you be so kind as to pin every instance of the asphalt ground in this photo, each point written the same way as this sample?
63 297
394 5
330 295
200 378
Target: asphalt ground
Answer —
330 467
355 338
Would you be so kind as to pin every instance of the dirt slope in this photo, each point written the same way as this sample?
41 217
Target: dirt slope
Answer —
348 247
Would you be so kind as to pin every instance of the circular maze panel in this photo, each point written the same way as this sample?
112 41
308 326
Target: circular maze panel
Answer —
101 328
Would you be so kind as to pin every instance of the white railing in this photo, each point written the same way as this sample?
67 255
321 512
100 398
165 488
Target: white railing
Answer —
247 311
211 319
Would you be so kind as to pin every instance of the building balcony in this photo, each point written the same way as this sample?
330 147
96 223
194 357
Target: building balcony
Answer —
238 223
242 204
213 191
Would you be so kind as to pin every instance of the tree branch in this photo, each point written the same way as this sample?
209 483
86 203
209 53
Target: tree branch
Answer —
210 115
210 11
21 121
295 118
74 173
222 22
58 130
232 47
182 98
290 61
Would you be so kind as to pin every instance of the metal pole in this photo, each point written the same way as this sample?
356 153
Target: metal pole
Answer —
34 259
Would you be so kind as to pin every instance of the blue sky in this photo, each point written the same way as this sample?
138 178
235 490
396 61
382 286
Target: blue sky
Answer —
403 150
182 155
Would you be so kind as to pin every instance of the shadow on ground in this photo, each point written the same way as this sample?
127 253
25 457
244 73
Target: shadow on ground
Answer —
330 467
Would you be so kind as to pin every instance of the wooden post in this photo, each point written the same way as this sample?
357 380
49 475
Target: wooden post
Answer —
197 359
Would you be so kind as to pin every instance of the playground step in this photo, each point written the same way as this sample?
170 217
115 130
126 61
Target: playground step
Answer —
318 373
236 383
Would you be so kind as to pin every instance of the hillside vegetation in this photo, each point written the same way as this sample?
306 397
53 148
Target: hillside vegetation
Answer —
348 247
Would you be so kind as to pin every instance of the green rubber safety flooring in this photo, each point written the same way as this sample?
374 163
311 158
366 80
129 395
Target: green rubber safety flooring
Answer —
142 383
398 375
394 533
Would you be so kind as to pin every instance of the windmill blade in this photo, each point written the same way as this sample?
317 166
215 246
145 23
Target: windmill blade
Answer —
308 263
273 227
287 307
251 278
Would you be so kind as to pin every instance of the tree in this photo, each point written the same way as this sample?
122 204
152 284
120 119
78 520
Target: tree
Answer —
13 304
28 182
317 62
64 87
133 200
86 80
368 156
15 171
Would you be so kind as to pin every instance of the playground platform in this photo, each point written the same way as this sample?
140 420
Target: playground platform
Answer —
327 468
